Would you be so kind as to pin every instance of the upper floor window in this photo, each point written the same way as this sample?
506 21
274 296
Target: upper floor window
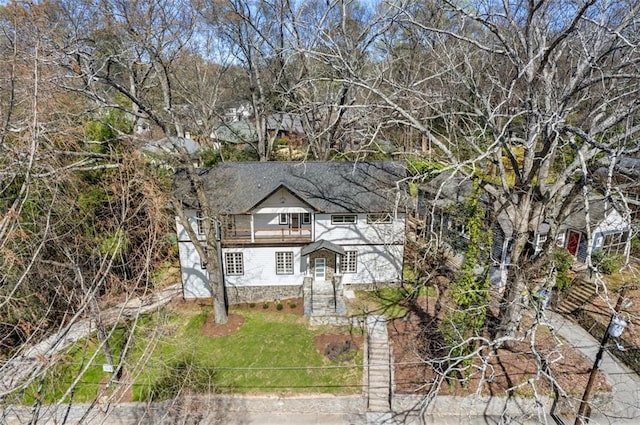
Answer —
295 219
379 218
199 223
343 219
233 264
284 262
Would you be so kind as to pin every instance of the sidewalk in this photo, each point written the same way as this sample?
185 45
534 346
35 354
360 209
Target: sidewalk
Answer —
31 360
625 382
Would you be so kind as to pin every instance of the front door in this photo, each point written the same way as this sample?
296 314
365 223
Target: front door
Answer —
295 222
320 268
573 240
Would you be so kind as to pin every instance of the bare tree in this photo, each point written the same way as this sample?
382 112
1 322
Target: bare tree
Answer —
522 96
138 53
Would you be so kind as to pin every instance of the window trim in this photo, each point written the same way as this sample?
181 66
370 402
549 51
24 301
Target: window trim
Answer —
199 220
231 259
348 262
343 217
306 218
287 263
283 218
379 218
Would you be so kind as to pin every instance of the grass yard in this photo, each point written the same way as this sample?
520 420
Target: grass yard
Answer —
272 352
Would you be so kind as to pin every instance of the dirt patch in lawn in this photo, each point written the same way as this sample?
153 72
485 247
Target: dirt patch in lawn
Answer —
120 392
418 348
212 329
339 347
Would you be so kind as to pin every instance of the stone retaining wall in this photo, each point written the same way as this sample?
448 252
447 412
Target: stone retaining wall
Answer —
242 294
256 294
186 410
214 409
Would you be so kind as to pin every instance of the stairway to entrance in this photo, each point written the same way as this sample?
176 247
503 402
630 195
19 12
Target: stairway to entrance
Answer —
379 365
581 293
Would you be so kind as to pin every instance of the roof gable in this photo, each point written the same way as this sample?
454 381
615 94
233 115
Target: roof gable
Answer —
281 195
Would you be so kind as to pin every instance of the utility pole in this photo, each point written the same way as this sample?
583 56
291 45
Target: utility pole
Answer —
616 325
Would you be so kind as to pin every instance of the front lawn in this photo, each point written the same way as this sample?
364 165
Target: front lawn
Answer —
168 355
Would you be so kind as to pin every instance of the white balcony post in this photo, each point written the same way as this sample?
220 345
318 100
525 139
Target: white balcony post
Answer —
253 236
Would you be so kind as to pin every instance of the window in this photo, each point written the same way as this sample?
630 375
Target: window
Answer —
343 219
199 223
350 262
284 262
541 240
233 263
560 240
379 218
306 218
283 218
229 223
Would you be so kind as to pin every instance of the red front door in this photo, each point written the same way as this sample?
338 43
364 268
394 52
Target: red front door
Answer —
573 241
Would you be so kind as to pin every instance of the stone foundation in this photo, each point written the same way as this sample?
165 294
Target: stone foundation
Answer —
254 294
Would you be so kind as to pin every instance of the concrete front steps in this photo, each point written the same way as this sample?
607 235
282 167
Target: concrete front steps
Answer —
379 365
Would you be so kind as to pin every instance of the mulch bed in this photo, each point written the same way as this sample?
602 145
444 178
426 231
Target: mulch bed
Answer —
289 305
416 341
212 329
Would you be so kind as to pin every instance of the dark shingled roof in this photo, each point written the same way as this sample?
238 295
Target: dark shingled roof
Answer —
322 244
599 207
327 186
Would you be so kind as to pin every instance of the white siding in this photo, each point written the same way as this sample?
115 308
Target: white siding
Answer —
282 201
260 267
375 264
194 277
613 222
379 246
361 232
181 232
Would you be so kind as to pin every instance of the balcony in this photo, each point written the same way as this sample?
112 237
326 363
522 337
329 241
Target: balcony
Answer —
267 235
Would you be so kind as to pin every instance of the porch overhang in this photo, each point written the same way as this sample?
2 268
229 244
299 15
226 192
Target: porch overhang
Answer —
322 244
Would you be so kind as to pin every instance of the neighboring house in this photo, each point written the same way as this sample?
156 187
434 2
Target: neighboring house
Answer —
159 150
242 132
609 230
289 228
238 113
286 126
440 204
626 178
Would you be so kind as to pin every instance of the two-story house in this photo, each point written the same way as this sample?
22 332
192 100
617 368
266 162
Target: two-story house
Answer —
285 225
441 202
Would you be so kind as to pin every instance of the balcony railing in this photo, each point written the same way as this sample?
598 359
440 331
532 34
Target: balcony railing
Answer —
267 234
